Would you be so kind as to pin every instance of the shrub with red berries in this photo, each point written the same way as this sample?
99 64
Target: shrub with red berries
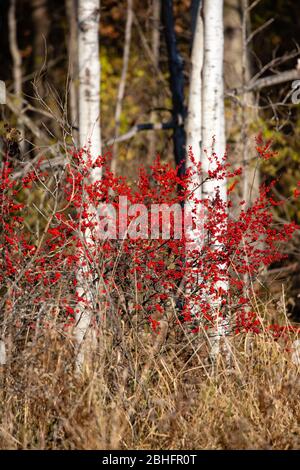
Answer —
132 273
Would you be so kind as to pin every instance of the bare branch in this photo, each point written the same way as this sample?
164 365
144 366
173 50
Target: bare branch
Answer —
26 121
258 30
61 160
271 80
253 5
275 62
141 127
276 79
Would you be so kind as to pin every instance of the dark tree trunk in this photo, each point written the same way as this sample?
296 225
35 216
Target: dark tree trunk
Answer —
195 5
176 84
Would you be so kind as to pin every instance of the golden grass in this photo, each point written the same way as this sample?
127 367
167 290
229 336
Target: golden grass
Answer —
134 395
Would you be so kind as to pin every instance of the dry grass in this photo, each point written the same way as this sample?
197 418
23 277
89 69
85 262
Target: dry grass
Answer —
136 395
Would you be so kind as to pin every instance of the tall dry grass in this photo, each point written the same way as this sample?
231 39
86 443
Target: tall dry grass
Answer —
141 391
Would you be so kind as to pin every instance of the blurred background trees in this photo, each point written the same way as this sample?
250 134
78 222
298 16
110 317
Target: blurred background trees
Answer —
39 43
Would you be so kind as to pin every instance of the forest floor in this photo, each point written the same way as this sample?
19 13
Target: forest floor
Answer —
135 395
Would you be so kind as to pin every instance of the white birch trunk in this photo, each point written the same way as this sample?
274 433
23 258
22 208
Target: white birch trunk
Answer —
90 137
213 91
194 116
89 78
213 126
194 138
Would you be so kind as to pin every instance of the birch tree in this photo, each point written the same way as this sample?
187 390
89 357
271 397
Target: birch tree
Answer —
205 128
194 116
213 122
89 78
213 128
194 138
89 137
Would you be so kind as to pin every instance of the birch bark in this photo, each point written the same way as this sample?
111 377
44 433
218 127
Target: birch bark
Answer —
213 131
194 138
89 137
194 115
213 122
89 78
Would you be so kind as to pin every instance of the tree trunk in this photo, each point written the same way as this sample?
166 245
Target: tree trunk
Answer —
15 53
251 171
89 137
71 9
194 114
17 66
89 78
156 10
233 67
194 138
213 121
177 84
2 92
237 75
122 83
213 132
41 24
